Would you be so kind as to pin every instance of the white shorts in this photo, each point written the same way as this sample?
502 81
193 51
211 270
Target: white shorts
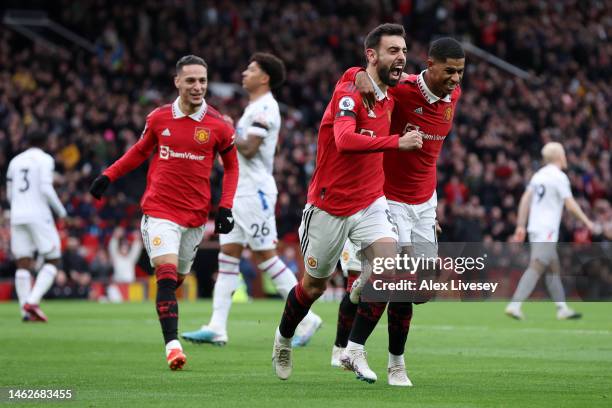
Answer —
348 259
416 225
322 235
163 237
254 223
543 245
38 236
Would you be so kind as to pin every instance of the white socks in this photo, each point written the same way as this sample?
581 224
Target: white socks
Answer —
228 279
280 339
44 281
354 346
173 344
395 360
23 285
282 277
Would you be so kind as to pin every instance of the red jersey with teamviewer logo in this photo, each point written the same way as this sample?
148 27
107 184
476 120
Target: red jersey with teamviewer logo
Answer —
349 169
411 176
184 147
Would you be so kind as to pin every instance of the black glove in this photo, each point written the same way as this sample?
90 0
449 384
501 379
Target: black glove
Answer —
99 186
224 221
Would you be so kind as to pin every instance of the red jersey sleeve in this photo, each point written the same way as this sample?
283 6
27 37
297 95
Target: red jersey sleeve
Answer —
351 74
230 177
229 158
136 155
226 141
348 102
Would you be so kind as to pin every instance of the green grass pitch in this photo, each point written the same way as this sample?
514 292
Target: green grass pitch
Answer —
458 355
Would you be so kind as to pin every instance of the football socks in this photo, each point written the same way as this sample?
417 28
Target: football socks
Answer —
44 281
296 307
167 307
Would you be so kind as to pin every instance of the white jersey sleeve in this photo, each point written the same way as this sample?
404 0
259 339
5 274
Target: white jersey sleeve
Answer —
262 119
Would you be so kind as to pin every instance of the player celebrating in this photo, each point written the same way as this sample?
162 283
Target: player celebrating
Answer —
543 201
30 193
426 102
345 196
185 137
255 223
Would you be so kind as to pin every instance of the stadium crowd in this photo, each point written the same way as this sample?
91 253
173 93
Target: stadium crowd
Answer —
93 105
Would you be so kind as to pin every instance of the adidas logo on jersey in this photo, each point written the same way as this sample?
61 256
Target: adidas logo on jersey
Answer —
419 110
166 132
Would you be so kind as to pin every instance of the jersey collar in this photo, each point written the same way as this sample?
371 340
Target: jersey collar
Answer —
429 96
380 95
197 115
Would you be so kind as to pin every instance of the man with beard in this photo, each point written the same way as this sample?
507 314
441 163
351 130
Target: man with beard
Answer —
185 137
425 102
345 196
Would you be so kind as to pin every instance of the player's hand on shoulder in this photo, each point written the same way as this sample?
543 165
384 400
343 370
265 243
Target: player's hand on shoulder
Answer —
224 221
411 140
99 186
520 234
365 88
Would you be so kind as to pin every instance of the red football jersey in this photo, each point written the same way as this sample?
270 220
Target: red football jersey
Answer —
178 181
348 175
410 176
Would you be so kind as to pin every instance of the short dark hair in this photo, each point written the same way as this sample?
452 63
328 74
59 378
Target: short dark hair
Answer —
190 60
36 138
273 66
444 48
372 40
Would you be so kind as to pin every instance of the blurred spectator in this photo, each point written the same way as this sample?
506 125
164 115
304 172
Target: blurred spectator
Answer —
124 256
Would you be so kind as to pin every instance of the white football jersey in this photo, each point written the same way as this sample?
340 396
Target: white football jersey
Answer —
261 118
30 187
550 187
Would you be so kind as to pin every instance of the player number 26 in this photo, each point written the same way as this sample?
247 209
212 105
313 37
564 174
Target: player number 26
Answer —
260 231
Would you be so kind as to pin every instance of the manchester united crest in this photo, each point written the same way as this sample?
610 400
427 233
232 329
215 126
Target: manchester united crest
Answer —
448 114
201 135
312 262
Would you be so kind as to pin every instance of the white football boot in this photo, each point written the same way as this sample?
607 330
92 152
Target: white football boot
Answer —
336 355
281 356
356 361
396 375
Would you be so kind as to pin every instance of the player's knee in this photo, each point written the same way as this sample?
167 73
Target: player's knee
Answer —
314 288
233 250
263 256
24 263
166 276
314 292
